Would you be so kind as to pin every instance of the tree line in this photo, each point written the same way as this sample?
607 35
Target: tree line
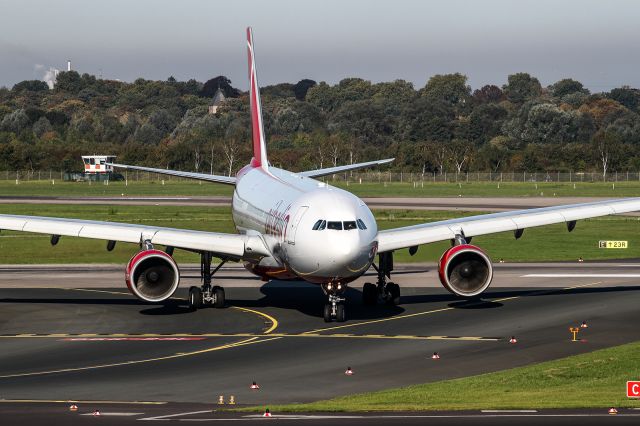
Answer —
444 126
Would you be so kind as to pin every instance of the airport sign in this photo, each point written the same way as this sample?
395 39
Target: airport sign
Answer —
613 244
633 389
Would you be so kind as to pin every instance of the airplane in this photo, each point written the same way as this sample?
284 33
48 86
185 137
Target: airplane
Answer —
291 226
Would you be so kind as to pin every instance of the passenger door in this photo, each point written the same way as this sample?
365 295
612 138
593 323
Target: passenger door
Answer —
293 224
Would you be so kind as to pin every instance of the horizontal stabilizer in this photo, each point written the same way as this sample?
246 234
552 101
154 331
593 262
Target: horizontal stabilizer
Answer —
228 180
348 167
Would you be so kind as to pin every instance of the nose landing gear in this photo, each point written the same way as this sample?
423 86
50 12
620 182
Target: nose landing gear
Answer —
207 294
388 292
334 310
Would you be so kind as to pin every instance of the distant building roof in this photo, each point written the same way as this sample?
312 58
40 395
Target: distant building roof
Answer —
218 98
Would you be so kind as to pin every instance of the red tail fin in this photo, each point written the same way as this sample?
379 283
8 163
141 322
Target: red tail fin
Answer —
259 145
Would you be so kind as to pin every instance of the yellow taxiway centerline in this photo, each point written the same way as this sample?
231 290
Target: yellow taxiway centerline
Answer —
449 308
245 342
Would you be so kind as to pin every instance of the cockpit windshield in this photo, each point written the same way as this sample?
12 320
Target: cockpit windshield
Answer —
347 225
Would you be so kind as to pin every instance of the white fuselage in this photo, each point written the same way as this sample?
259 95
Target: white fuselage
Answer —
314 231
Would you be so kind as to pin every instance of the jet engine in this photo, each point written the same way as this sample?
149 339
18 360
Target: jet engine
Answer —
465 270
152 275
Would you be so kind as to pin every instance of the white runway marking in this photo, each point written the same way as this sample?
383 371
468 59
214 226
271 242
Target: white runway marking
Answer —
175 415
508 411
580 276
102 413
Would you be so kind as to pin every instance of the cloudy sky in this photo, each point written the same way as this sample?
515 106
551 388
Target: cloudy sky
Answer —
595 42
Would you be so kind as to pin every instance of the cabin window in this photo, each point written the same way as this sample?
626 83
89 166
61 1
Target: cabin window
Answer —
335 225
349 225
361 224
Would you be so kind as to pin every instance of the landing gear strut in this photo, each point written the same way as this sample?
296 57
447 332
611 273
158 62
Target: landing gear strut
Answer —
334 310
384 290
207 294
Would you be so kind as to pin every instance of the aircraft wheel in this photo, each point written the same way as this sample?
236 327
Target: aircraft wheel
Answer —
369 294
195 298
220 297
341 315
394 293
327 313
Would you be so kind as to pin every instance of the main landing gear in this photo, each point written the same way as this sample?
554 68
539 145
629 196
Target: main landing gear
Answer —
207 294
334 310
388 292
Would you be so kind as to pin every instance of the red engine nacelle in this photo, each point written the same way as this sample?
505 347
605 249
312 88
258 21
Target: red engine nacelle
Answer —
465 270
152 275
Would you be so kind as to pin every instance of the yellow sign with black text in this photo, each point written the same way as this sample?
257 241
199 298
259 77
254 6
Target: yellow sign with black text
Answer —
613 244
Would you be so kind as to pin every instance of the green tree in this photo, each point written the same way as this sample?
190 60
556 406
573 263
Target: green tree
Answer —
450 88
567 86
521 87
31 86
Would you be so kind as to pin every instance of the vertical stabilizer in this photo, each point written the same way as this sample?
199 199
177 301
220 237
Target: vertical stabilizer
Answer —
259 145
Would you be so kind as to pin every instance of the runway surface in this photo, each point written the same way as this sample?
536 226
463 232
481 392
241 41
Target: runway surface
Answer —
74 333
118 414
417 203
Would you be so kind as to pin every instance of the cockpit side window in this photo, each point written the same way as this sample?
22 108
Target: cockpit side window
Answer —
349 225
361 224
319 225
335 225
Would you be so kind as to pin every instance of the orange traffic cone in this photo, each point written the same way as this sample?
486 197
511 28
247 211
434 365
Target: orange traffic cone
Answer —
349 372
254 386
513 340
73 407
267 413
96 413
584 325
435 356
612 410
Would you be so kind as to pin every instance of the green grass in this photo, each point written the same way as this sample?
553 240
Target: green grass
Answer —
99 189
593 380
549 243
381 189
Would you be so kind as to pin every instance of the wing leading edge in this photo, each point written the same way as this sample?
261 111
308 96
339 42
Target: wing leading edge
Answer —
409 236
232 246
346 168
228 180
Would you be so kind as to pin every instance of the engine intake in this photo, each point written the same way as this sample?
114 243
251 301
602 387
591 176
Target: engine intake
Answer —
152 275
465 270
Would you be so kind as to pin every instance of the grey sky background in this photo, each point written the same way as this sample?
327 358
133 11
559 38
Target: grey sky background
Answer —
595 42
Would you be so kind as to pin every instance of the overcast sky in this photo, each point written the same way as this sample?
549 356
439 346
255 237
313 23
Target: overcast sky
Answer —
595 42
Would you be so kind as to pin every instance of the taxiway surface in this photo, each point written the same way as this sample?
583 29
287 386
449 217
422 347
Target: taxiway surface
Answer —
74 333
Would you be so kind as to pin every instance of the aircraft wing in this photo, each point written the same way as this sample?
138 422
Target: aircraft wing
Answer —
518 220
228 180
346 168
233 246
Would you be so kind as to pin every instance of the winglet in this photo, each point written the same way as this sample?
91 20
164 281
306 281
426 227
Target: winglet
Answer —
259 146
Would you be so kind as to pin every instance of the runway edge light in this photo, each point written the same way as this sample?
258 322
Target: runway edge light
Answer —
267 413
613 411
97 413
349 372
435 356
254 386
513 340
73 407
